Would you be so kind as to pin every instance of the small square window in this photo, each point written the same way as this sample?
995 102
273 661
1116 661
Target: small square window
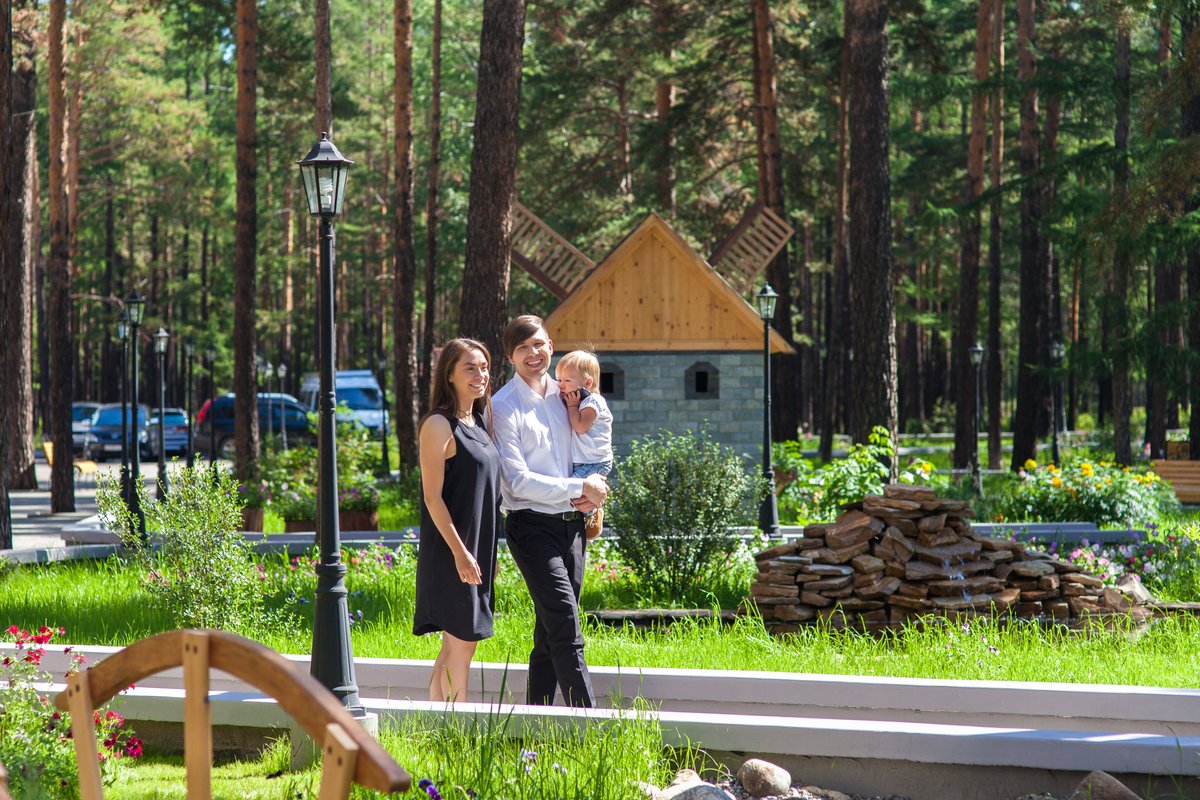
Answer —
612 381
702 382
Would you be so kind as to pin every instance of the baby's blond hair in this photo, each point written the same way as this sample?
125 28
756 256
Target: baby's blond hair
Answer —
587 364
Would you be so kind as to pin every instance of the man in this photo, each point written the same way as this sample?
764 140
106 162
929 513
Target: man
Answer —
544 526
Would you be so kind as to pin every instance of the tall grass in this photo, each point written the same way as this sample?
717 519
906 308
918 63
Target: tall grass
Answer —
105 603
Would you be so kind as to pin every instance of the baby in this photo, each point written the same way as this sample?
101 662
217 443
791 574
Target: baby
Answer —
578 376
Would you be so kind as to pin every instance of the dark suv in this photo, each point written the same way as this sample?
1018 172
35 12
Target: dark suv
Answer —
276 412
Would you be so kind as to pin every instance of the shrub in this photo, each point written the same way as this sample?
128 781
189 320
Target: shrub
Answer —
817 494
675 501
295 504
1099 492
201 573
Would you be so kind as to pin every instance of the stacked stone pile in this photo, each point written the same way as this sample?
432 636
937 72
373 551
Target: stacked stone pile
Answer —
908 553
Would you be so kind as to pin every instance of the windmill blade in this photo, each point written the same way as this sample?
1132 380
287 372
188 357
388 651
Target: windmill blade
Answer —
757 239
549 259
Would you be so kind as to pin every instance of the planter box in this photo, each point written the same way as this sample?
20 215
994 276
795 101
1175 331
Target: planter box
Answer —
252 519
347 521
358 520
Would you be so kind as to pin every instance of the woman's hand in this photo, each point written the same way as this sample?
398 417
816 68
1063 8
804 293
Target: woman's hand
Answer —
468 568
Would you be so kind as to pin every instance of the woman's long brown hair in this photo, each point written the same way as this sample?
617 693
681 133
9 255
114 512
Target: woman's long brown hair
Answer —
442 398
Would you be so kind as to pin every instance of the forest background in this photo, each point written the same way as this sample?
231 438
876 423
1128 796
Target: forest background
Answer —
957 171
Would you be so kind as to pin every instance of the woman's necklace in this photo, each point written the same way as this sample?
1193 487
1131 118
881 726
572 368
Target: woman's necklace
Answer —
467 416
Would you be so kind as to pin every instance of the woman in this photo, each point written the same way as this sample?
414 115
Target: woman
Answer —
460 515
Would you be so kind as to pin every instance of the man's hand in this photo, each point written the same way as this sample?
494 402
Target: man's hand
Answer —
595 489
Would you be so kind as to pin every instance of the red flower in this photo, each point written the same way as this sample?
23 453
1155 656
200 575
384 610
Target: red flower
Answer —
13 630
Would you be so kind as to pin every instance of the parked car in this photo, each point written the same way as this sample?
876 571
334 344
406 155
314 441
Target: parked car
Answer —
81 420
355 388
103 438
276 411
175 434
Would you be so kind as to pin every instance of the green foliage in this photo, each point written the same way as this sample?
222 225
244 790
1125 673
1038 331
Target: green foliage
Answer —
201 572
1167 561
295 504
675 501
1101 492
400 502
810 494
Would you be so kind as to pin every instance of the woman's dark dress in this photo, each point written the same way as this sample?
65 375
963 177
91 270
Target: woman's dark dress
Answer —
471 491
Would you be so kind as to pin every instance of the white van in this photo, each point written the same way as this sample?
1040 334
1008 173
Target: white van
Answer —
355 388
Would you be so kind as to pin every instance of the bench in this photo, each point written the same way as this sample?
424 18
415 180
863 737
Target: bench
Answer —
1184 477
83 467
1059 532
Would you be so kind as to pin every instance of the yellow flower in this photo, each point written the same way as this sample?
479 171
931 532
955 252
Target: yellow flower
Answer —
1030 464
926 467
1124 469
1056 482
1052 468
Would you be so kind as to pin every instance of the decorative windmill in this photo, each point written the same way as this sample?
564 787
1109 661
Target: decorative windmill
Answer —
678 343
559 266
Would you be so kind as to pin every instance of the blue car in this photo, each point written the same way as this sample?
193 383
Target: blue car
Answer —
175 434
103 437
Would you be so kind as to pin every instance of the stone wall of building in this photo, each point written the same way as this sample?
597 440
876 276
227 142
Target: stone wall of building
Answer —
680 391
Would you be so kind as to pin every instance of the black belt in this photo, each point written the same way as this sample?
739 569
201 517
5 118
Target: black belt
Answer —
565 516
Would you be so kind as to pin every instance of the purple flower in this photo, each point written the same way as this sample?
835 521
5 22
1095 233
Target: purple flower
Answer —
426 786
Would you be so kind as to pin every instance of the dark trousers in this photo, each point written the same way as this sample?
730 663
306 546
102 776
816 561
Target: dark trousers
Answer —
550 554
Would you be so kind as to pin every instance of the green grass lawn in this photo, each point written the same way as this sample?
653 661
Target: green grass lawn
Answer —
107 603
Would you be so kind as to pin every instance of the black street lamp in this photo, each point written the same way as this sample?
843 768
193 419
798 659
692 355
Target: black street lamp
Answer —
768 514
123 338
1058 351
135 306
324 172
189 350
281 371
161 339
977 351
386 467
211 355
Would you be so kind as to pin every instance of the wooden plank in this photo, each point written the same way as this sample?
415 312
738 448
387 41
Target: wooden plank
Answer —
337 766
83 734
197 716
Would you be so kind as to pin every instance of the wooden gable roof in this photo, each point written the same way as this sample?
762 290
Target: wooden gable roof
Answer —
654 292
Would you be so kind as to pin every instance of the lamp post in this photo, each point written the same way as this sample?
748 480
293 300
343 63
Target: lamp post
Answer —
189 350
161 339
386 467
768 514
977 351
324 172
265 371
123 338
281 371
135 306
1058 351
211 355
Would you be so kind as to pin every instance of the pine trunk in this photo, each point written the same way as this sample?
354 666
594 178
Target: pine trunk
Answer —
17 224
404 263
431 207
1165 275
661 14
245 248
836 293
1035 292
995 376
966 331
871 287
1190 35
1122 261
58 268
785 384
484 305
322 46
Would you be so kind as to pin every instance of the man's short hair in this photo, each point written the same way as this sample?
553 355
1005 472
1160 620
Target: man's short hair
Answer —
520 329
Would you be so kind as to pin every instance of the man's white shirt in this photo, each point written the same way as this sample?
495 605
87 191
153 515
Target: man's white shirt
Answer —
533 437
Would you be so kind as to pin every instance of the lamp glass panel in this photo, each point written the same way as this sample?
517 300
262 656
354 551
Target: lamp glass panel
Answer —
309 174
341 171
326 187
